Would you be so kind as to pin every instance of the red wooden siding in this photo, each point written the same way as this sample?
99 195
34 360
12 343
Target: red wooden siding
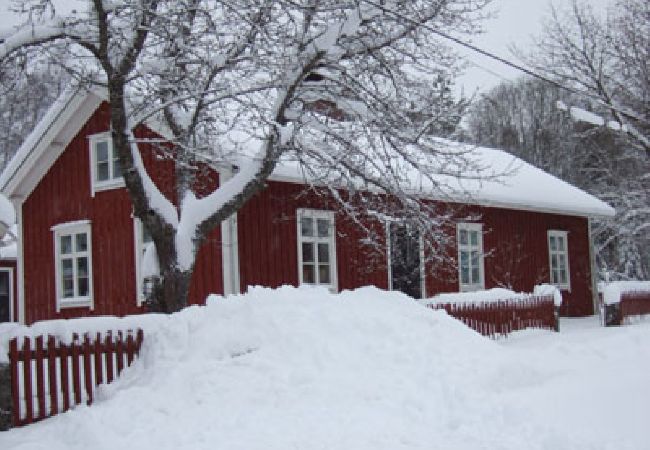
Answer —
515 243
267 234
63 195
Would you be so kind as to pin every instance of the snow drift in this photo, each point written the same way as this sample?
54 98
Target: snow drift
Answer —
306 369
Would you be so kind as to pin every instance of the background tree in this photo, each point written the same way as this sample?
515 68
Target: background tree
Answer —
340 88
25 95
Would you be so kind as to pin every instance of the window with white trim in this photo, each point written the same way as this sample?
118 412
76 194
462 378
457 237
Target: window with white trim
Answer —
558 256
143 245
73 264
469 237
316 248
106 171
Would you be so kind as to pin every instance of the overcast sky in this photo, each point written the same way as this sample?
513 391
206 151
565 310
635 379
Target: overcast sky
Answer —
516 21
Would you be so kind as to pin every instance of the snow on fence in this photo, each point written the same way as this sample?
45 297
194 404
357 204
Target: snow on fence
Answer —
625 300
49 377
501 317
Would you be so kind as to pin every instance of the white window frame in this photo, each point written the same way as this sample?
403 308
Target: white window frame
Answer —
469 227
112 182
73 228
138 247
330 240
562 235
10 272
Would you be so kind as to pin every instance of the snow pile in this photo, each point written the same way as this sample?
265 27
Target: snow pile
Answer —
612 291
475 297
368 369
549 289
493 295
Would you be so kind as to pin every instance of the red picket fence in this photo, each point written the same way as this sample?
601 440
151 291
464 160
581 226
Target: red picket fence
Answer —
634 304
505 316
49 377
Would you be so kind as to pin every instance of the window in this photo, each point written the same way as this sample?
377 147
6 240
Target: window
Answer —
106 172
145 261
470 256
73 265
316 248
558 255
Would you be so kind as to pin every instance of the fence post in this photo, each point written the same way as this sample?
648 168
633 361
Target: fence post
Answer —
613 315
88 375
15 384
51 369
27 379
40 378
76 375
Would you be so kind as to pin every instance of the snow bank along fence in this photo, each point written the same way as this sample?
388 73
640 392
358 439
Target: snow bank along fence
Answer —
623 301
49 377
498 318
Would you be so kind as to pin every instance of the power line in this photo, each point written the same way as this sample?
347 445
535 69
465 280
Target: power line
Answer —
502 60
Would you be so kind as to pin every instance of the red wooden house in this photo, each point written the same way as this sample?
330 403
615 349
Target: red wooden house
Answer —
81 250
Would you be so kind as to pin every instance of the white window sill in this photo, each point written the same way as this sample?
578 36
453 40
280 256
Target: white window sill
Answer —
471 288
108 185
81 302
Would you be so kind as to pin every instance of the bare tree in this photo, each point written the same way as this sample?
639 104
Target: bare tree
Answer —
607 58
340 88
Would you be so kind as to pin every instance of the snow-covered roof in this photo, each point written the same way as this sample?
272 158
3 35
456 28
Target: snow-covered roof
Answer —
520 186
509 182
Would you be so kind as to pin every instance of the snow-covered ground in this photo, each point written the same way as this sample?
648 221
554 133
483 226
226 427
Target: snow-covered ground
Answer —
304 369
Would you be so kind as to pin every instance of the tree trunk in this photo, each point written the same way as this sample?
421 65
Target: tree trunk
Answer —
170 294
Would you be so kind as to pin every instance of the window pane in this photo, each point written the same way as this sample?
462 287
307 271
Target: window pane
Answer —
117 168
323 226
66 244
563 277
82 267
101 151
464 275
307 252
554 277
323 253
552 243
308 273
464 259
562 261
560 243
83 287
554 262
81 242
473 238
324 274
102 171
476 276
474 259
463 237
307 226
67 278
